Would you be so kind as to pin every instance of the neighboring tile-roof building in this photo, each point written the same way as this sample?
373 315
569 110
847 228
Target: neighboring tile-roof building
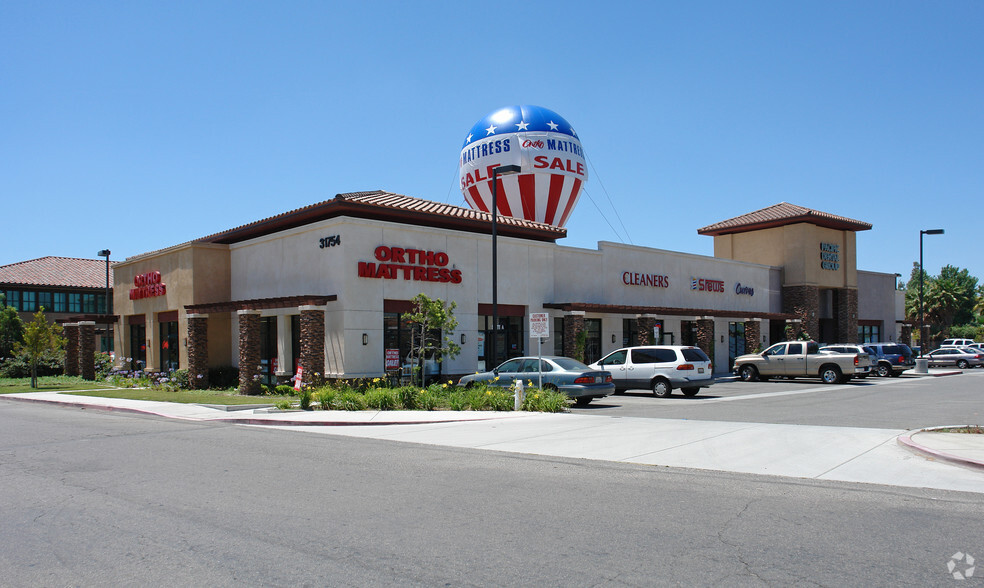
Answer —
782 214
57 272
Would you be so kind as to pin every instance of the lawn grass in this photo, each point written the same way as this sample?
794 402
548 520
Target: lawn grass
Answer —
47 384
223 397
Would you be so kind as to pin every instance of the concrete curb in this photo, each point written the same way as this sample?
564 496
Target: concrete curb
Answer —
276 422
907 442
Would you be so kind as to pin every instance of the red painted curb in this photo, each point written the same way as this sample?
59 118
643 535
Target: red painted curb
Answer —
907 442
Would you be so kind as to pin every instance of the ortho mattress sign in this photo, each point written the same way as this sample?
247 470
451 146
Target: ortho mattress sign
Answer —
410 264
147 285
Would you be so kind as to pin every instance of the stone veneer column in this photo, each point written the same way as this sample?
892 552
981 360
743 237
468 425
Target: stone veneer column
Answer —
198 350
71 331
753 334
87 350
312 358
705 336
249 351
804 302
646 322
573 324
847 315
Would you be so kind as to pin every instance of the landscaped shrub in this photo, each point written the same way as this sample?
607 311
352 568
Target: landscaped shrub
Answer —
284 390
180 379
427 400
284 404
104 365
381 399
350 400
546 401
51 363
304 395
409 397
325 396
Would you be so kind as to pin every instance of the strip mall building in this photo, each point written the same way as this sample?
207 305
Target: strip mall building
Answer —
324 287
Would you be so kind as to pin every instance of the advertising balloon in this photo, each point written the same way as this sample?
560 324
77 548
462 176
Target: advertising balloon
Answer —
546 148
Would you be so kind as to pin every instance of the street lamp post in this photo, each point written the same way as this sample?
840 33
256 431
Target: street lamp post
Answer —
105 253
502 170
922 328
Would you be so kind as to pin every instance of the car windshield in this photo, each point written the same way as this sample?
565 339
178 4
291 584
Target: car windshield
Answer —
569 364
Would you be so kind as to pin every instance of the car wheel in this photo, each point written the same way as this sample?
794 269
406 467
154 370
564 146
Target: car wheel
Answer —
962 364
884 370
661 388
582 401
830 374
690 391
748 373
895 374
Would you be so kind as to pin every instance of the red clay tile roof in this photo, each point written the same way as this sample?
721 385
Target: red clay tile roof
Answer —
66 272
381 205
779 215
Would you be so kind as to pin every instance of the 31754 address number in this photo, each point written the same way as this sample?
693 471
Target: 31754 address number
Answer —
330 241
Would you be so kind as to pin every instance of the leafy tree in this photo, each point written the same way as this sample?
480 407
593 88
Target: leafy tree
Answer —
912 292
951 298
11 328
432 325
40 337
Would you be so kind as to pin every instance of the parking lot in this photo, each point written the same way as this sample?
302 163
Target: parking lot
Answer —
906 402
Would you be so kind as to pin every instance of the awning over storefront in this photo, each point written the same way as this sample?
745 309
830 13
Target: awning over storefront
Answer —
260 304
666 311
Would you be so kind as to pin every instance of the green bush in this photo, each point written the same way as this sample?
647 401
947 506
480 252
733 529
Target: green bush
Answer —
381 399
427 400
180 379
325 396
409 397
545 401
284 390
350 400
51 363
304 395
284 404
104 365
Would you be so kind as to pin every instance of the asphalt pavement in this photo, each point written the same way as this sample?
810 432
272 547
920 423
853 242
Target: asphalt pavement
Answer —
897 457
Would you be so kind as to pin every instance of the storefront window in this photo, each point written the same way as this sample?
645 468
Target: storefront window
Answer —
397 334
688 332
510 340
630 332
169 346
268 350
295 342
558 335
736 342
592 343
138 347
869 333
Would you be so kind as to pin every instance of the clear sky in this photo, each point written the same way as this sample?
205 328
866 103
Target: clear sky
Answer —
135 126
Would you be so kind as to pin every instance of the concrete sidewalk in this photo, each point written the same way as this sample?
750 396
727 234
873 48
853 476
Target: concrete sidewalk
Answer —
851 454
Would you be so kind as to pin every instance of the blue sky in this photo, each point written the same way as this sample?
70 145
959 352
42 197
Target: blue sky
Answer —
139 125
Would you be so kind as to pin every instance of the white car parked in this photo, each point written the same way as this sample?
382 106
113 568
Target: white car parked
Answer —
660 368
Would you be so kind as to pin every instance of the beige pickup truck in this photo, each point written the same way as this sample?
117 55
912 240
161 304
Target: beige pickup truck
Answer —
793 359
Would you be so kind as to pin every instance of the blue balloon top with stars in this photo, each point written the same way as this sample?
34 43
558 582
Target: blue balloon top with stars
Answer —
518 119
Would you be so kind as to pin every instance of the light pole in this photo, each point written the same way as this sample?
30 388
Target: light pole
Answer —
502 170
105 253
922 328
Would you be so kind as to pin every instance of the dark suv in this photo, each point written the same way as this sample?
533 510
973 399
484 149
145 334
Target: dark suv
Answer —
890 359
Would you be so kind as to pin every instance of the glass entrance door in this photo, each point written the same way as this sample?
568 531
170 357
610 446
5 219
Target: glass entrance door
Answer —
736 342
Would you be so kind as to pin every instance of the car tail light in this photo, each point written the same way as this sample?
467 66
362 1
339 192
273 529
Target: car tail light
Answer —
685 366
855 360
608 379
584 380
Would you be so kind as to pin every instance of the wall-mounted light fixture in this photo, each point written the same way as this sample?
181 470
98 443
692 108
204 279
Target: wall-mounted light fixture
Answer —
613 337
722 338
462 338
365 338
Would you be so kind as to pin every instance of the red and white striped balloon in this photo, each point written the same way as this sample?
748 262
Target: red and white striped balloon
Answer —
547 150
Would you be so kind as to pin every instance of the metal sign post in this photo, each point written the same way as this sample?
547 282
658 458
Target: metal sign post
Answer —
539 328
